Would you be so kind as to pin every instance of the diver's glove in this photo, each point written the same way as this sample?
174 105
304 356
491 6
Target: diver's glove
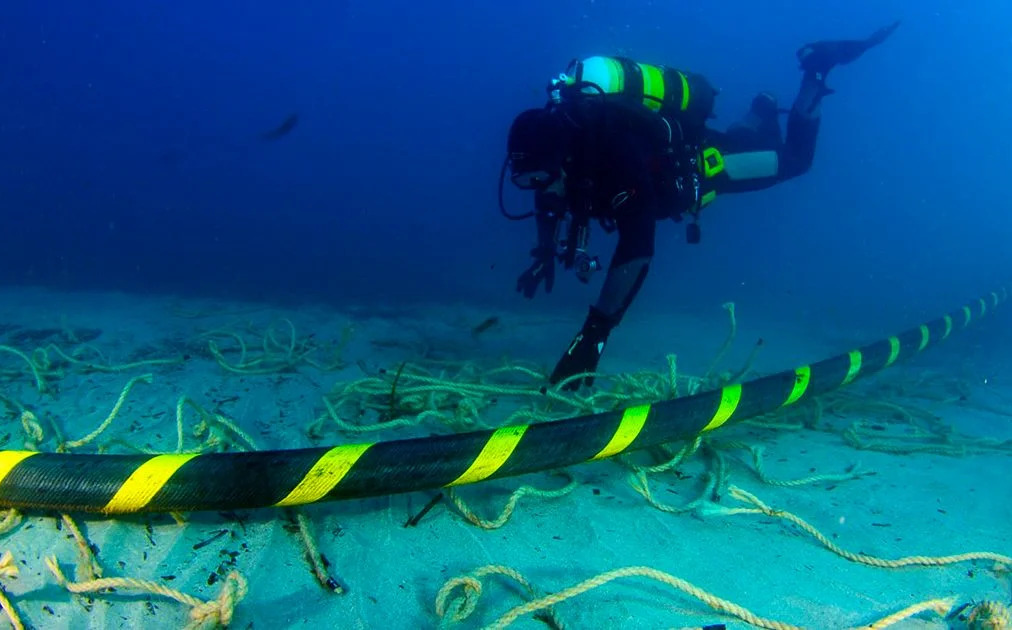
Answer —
821 57
584 351
541 270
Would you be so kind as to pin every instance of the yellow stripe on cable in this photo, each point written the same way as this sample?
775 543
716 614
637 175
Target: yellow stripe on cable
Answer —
854 368
730 396
143 483
802 376
496 451
894 350
10 459
326 473
629 427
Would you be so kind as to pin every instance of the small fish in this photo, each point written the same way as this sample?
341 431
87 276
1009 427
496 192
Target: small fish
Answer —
485 325
281 130
218 534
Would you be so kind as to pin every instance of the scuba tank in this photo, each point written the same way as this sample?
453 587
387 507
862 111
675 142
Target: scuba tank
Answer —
681 97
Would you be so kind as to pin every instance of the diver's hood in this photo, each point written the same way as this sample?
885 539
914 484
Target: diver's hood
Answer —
536 147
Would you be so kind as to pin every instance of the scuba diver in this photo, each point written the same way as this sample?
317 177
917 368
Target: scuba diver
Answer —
626 144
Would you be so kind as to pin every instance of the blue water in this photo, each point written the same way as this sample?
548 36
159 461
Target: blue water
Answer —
132 157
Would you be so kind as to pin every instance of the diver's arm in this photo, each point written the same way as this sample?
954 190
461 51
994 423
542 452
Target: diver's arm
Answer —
549 207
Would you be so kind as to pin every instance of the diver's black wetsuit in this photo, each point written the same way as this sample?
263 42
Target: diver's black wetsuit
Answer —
618 166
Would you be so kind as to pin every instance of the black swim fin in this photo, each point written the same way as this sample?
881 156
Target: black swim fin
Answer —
821 57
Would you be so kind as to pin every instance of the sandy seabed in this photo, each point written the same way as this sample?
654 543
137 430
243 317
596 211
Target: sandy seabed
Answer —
925 471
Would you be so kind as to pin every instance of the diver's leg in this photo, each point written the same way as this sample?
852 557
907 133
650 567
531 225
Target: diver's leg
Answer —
621 285
626 273
803 127
803 121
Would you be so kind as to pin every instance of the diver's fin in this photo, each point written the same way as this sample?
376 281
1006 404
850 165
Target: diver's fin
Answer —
821 57
881 35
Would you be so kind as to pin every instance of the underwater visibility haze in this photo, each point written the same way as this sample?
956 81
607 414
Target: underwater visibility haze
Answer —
237 227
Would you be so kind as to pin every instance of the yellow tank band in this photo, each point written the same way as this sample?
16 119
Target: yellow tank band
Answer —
653 86
685 91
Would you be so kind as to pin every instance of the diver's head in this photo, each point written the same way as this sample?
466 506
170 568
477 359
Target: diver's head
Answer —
536 148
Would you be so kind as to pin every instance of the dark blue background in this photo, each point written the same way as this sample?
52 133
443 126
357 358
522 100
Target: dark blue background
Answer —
131 156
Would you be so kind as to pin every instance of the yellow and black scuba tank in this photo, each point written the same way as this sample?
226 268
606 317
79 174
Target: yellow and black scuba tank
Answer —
685 97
